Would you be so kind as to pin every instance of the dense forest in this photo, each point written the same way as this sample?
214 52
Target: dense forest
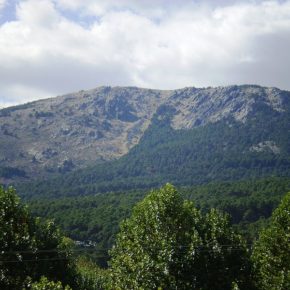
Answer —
165 243
96 218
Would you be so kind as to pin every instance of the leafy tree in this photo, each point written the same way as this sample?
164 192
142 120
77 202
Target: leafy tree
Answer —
271 255
167 243
45 284
15 236
29 247
89 275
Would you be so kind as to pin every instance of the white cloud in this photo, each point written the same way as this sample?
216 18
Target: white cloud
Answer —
153 44
37 12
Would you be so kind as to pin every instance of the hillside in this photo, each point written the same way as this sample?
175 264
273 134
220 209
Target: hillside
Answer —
196 136
97 217
72 131
80 129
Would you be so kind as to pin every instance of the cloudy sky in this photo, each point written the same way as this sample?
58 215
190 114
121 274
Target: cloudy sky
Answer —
52 47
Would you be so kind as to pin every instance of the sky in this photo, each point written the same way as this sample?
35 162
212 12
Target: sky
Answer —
53 47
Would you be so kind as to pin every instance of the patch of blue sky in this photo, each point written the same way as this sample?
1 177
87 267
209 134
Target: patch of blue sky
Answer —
80 18
8 13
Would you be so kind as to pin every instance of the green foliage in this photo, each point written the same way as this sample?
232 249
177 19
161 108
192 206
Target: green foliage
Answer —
271 255
15 235
167 243
89 275
43 114
45 284
94 218
29 247
8 172
250 203
97 217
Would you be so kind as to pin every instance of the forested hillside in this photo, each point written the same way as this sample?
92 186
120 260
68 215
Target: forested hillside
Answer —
97 217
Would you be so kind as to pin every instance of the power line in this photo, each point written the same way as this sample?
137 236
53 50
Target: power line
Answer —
199 249
69 258
34 260
104 249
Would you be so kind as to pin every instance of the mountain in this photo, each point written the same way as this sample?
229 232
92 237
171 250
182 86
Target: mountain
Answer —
225 147
74 130
125 138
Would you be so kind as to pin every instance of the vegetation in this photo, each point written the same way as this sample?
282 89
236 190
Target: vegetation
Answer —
30 248
97 217
271 255
45 284
35 255
89 275
8 172
167 243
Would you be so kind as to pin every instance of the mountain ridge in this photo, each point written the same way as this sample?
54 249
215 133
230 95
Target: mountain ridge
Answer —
58 135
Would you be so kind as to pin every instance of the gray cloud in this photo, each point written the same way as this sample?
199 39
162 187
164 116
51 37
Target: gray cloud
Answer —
43 53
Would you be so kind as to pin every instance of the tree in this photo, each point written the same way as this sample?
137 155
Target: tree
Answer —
45 284
271 254
30 248
89 275
167 243
15 237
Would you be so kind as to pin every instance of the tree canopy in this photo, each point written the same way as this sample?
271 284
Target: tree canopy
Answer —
30 248
271 255
167 243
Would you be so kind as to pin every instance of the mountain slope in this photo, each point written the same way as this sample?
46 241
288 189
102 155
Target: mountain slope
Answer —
76 130
73 131
196 136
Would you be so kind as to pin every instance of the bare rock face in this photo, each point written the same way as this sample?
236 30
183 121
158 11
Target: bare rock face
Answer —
80 129
266 146
199 107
